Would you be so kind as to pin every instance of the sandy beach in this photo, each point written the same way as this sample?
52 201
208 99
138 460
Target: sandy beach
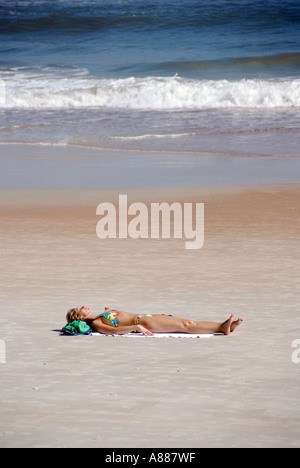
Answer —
236 391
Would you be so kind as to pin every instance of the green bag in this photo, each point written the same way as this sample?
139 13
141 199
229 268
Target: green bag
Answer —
77 328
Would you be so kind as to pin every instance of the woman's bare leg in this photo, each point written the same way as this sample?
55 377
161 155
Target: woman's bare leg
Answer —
209 327
166 324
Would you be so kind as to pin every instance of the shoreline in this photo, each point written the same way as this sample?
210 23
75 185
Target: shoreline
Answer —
51 167
141 150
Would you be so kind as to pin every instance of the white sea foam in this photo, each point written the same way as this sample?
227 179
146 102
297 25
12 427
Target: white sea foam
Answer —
24 90
151 136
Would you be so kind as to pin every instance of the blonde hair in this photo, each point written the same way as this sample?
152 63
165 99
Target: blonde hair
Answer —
72 315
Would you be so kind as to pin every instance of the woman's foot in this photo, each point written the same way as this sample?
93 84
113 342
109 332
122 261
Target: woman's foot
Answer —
230 325
235 324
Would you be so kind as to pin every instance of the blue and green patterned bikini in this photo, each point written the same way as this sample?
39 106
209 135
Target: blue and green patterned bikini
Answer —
113 317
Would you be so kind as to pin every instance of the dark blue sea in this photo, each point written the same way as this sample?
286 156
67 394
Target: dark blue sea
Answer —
219 76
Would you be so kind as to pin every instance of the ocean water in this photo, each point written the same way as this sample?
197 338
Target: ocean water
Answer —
213 77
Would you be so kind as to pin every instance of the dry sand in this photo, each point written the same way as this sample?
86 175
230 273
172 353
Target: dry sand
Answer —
237 391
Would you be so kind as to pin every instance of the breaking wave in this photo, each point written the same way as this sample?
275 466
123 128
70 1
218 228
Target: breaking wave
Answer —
33 90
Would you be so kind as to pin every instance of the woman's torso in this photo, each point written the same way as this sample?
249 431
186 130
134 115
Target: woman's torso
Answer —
117 318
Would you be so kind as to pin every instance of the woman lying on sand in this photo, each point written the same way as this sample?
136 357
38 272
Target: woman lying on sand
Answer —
114 322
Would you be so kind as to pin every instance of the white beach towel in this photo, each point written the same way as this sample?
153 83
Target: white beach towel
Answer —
157 335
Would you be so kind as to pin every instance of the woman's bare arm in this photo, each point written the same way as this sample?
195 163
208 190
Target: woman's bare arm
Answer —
101 327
